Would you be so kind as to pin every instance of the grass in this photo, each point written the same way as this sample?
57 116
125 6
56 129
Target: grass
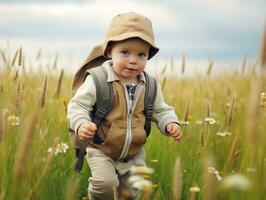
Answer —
234 100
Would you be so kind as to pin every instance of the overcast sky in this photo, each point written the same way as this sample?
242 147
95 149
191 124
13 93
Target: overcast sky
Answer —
221 30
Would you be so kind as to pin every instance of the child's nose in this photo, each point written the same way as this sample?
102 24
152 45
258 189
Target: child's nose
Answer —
133 59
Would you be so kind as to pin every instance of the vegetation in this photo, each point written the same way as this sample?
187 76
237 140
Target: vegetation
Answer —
222 154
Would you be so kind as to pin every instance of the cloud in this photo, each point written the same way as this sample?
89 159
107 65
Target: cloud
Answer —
201 29
93 13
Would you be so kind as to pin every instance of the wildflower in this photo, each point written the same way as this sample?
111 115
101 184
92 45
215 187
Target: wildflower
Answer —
137 178
211 170
223 134
219 178
13 120
210 121
50 150
194 189
142 184
215 172
184 123
59 148
141 170
263 99
189 117
236 181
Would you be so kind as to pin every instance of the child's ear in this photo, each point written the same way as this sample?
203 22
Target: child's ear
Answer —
108 51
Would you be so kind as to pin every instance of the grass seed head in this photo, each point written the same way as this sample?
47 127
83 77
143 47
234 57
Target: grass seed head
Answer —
44 93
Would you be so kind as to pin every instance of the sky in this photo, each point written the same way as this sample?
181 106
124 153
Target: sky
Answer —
223 31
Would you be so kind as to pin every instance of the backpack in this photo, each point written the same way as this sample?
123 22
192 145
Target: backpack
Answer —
104 93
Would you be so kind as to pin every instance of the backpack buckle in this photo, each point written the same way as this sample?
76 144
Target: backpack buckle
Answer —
100 113
149 111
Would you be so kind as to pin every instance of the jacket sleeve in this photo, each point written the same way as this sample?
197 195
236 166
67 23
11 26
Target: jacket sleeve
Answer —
163 113
81 104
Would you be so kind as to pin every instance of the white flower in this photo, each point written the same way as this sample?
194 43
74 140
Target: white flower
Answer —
236 181
143 184
141 170
50 150
13 120
135 178
215 172
60 148
223 134
210 120
138 182
219 178
185 123
194 189
211 170
263 99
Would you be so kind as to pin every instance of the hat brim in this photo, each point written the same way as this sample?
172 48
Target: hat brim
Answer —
153 50
95 58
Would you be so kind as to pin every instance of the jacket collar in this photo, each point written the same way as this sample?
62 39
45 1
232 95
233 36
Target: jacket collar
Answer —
112 75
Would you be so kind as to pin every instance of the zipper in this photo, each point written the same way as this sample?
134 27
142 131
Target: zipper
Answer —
130 109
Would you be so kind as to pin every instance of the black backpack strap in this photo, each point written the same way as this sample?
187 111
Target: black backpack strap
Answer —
104 95
150 94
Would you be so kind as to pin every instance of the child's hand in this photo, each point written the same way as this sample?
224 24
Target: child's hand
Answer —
174 130
87 130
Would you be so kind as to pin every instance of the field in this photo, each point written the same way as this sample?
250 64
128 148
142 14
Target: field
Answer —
222 155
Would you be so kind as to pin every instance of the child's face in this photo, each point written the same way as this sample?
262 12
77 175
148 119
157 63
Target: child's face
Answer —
129 57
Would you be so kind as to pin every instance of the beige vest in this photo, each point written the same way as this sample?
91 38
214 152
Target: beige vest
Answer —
114 126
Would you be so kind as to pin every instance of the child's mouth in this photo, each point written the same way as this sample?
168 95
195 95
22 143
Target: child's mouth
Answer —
131 69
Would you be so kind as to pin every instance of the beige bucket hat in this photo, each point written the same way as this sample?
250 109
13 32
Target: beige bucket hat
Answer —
130 25
123 26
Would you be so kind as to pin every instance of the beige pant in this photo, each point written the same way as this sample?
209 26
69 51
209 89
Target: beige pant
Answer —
109 175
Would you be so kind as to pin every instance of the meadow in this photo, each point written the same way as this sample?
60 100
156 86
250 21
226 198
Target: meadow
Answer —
221 156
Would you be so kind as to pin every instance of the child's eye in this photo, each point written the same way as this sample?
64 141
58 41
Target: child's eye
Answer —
142 55
125 52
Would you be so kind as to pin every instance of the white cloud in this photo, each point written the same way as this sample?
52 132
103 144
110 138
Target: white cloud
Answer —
92 13
198 27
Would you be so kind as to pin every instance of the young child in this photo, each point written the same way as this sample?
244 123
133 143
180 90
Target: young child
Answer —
129 43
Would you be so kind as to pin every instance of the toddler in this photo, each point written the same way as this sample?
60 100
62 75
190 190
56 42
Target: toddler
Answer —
128 45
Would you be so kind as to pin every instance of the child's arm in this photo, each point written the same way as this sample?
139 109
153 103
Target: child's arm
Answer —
164 115
81 105
86 130
174 130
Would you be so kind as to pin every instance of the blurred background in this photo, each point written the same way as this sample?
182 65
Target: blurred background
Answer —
222 31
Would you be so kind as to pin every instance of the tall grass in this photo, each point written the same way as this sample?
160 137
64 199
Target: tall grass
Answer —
222 117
